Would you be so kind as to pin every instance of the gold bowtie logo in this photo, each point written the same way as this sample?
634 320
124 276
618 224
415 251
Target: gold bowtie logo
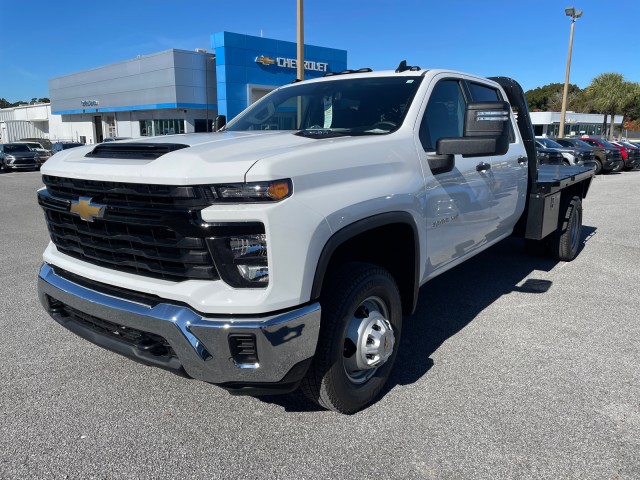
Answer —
263 59
88 211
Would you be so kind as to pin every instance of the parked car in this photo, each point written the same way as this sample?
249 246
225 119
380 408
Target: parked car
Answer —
632 151
42 154
569 154
600 142
59 146
604 159
549 156
45 142
17 156
628 163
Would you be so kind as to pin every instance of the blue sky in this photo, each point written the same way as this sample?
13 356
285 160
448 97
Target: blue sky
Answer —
524 39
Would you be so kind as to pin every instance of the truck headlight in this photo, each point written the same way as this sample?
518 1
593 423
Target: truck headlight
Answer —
271 191
241 259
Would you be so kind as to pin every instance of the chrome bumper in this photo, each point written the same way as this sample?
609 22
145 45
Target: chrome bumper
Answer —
201 343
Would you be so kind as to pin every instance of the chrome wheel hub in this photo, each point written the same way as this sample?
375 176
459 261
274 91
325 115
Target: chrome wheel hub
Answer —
369 340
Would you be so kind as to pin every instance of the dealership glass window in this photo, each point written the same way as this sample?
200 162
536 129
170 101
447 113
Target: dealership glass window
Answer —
152 128
110 122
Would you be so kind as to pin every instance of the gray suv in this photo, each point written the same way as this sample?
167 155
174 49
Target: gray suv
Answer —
17 156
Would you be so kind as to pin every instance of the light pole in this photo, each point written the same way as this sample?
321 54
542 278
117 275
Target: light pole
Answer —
300 39
300 54
574 14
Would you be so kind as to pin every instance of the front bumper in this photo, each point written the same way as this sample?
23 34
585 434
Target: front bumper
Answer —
177 338
21 166
612 163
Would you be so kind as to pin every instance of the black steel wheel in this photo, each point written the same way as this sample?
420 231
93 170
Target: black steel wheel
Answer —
359 338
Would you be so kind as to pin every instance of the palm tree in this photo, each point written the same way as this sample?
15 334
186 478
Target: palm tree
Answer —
610 94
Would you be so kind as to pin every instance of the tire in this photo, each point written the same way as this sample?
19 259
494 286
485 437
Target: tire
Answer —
598 169
361 312
565 241
566 163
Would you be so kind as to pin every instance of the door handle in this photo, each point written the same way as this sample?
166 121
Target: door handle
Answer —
483 166
522 160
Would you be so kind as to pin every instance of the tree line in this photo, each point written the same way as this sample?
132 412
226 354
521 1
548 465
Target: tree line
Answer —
608 93
4 103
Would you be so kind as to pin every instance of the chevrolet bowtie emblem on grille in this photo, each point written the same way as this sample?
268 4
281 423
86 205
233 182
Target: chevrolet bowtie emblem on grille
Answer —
263 59
88 211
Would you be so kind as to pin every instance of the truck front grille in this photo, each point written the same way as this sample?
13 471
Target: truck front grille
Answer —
149 230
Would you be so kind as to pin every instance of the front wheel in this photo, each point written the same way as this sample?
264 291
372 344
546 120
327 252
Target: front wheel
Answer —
598 168
565 241
359 338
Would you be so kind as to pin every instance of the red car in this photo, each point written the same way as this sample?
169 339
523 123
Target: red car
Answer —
633 152
629 163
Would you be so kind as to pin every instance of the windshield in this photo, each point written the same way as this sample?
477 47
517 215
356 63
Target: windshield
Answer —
607 144
580 143
549 143
356 106
16 148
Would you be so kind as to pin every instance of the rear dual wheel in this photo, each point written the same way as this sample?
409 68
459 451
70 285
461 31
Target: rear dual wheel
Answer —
564 243
359 338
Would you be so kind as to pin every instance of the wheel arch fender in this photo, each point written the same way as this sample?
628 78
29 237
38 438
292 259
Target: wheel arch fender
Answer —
395 247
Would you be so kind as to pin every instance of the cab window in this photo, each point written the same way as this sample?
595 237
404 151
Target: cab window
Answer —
444 116
482 93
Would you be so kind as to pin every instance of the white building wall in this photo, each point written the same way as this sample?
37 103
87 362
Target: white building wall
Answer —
67 128
25 121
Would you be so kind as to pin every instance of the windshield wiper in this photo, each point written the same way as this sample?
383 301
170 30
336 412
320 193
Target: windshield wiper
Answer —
328 133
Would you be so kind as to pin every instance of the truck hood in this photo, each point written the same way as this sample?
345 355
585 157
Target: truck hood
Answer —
210 158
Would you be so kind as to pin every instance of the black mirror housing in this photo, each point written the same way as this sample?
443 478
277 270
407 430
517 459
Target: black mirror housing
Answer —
487 119
486 131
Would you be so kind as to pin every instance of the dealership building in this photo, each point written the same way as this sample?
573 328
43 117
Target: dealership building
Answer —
547 124
178 91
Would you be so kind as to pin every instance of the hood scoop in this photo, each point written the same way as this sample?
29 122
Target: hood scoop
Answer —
136 151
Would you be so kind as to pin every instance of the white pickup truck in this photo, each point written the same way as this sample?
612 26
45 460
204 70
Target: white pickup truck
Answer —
284 250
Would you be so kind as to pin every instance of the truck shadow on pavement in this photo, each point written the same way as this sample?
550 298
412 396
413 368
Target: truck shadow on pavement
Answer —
449 303
454 299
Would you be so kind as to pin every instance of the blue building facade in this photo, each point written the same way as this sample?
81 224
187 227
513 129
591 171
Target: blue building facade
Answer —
248 67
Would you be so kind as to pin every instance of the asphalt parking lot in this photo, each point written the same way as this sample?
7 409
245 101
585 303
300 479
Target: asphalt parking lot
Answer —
512 367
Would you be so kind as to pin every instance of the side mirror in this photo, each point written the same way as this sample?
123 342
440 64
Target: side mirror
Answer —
486 131
219 122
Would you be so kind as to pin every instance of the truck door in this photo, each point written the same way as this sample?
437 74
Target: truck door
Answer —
509 171
457 203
